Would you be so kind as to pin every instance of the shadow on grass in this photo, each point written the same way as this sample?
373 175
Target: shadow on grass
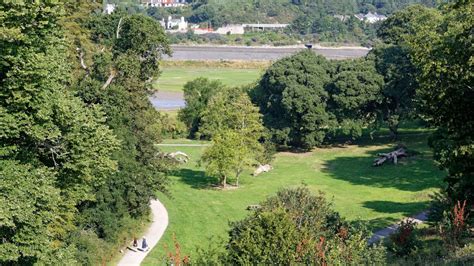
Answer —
378 223
416 139
405 208
410 174
195 179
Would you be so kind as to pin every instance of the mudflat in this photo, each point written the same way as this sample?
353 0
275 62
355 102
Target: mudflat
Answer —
202 53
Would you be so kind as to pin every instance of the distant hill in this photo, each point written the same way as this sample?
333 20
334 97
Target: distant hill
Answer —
310 20
219 12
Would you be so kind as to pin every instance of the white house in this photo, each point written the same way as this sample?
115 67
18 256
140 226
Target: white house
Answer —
109 9
370 17
180 24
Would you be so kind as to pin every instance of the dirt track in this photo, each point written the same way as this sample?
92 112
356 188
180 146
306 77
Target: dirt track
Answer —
257 53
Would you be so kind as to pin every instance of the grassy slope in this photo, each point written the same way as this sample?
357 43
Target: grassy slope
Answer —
380 196
174 78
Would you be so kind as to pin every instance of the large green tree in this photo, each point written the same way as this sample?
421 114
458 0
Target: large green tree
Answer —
393 61
125 64
197 94
235 127
55 150
355 94
292 98
443 53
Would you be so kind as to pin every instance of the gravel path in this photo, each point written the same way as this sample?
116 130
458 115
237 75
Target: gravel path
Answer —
379 235
153 234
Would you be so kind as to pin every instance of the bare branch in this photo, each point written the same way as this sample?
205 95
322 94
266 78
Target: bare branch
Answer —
119 27
111 77
81 57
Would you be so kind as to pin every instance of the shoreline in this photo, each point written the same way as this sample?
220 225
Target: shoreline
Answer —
299 46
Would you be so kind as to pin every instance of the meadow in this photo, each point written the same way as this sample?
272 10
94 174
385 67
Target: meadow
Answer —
173 78
199 213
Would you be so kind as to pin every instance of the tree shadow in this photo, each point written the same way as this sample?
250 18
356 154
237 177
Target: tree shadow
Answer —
414 173
377 223
405 208
195 179
416 140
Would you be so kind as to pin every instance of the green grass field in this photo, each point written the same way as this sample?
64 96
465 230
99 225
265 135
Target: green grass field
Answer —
173 78
378 195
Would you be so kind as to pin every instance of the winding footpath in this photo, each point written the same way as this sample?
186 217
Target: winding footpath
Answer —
379 235
153 234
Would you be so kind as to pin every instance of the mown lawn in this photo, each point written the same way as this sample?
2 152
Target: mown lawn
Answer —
173 78
380 196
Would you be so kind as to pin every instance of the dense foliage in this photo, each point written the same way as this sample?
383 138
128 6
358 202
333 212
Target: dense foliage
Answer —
297 227
119 79
235 127
293 99
305 98
56 151
393 61
197 94
310 20
443 54
77 133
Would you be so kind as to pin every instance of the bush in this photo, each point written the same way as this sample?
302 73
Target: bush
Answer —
453 227
297 227
405 240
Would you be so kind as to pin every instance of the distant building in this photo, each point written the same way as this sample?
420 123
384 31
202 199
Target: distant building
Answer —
231 29
176 24
163 3
109 9
342 18
370 17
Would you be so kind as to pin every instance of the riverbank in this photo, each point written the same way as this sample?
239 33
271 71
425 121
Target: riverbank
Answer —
257 53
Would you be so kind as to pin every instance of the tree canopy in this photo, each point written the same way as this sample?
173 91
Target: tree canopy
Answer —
443 54
235 127
293 99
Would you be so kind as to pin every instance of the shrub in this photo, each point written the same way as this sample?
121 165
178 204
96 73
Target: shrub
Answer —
174 257
453 228
405 240
297 227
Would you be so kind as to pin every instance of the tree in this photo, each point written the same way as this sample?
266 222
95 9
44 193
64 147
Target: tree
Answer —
355 93
292 98
120 79
443 53
393 61
235 128
33 216
56 150
197 94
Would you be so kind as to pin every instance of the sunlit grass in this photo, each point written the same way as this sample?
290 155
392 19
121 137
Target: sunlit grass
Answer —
173 79
378 195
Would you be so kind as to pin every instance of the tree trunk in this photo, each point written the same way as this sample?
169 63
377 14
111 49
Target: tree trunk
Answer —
393 131
393 156
224 181
237 175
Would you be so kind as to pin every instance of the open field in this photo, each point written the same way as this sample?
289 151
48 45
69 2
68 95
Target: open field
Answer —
380 196
173 78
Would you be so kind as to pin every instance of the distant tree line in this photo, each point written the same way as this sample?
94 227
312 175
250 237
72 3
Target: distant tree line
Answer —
312 20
